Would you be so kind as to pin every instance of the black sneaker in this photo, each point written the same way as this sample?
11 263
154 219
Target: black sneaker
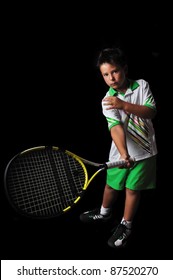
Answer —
94 216
120 236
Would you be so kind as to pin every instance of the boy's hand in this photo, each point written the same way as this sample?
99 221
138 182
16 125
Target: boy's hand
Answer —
129 162
113 102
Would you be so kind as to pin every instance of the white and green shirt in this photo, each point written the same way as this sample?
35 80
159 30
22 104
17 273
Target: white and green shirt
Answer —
140 134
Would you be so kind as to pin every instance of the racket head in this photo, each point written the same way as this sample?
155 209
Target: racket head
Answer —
44 182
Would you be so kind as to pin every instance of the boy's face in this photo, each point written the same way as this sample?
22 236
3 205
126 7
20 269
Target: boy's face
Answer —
114 76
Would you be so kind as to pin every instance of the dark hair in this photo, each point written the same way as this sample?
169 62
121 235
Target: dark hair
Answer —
114 56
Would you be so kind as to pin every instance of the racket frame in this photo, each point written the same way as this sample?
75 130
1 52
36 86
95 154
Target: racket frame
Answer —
100 167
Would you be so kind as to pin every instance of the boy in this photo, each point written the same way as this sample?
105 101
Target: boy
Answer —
129 107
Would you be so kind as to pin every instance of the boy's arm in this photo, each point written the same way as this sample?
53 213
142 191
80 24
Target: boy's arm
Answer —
141 111
119 138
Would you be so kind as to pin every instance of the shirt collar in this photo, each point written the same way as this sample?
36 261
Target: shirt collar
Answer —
132 86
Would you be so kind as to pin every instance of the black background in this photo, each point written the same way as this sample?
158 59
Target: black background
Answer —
52 96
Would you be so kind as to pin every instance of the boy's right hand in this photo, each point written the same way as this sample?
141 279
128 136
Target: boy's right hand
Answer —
129 161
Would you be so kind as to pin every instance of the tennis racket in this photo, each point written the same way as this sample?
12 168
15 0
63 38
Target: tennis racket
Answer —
44 182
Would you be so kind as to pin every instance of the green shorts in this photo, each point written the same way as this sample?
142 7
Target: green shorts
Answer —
141 176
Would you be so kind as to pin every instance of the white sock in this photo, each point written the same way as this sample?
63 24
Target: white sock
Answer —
128 224
105 211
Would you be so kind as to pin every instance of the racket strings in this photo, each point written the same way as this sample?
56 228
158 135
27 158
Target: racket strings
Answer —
44 184
28 183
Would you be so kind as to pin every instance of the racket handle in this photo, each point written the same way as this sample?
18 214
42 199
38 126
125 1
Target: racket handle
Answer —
118 163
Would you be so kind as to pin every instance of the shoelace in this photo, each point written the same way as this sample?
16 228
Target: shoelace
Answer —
99 216
119 230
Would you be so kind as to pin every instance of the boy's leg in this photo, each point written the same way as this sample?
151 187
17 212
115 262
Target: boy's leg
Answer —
142 176
123 231
102 214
